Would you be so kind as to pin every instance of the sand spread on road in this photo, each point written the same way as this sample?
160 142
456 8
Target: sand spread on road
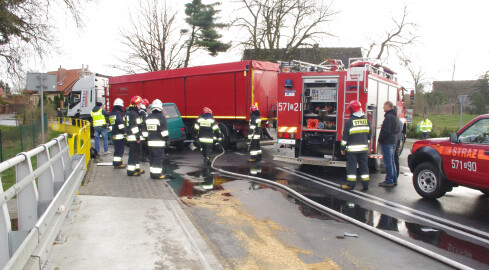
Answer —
259 237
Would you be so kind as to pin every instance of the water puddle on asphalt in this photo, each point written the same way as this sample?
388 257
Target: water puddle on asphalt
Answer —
204 179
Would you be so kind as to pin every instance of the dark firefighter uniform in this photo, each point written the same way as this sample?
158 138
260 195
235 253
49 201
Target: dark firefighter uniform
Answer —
133 132
158 139
254 136
117 126
208 132
144 134
355 142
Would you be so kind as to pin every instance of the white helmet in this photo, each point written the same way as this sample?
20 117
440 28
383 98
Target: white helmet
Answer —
118 102
157 105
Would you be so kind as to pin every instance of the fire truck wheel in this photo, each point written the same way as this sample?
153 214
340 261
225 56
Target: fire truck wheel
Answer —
401 147
428 182
374 164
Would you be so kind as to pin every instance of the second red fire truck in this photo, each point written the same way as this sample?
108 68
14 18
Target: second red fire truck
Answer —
311 107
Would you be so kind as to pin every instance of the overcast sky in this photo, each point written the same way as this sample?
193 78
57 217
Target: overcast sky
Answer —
450 32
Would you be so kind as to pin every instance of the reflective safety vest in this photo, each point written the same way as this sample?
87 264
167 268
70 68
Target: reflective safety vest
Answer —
207 129
356 135
425 125
98 118
157 129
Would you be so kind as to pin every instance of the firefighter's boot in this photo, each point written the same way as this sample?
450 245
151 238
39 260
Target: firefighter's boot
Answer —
348 186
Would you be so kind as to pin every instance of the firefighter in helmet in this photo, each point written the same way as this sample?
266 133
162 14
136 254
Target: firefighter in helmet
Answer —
144 143
158 138
117 126
133 121
355 143
208 133
254 134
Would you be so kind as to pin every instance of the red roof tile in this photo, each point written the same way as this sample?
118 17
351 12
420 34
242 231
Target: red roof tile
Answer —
66 79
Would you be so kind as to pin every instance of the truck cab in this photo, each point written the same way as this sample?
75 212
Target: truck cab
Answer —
86 93
440 164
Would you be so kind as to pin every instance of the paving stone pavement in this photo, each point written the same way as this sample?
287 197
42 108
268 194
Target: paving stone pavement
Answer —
107 181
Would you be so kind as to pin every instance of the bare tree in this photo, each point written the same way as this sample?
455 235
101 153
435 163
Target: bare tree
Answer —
399 36
416 70
282 26
26 31
154 42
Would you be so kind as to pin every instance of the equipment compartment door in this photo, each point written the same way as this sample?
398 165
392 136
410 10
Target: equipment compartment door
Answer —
320 103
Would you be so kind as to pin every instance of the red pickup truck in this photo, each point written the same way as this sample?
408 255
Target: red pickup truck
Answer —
440 164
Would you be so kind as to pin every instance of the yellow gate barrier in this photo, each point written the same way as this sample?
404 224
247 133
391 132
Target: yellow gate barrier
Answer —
79 129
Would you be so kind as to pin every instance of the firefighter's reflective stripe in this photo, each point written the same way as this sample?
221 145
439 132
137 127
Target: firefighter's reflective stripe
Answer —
357 148
145 134
131 168
206 140
157 143
256 152
110 128
121 126
256 136
118 137
164 133
252 127
365 177
131 138
112 119
214 127
155 170
139 121
351 177
135 130
138 166
196 127
98 118
117 159
343 143
356 130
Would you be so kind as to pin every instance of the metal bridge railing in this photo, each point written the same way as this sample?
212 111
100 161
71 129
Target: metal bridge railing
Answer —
41 208
79 129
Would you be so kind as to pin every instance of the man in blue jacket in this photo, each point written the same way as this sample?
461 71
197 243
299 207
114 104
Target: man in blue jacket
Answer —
387 141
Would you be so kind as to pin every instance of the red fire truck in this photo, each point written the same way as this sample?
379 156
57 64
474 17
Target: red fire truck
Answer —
228 89
311 107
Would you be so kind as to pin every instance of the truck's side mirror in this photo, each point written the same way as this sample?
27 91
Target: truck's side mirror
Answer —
453 137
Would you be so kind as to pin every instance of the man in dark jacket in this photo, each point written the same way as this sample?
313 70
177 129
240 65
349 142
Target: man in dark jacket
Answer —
387 141
117 127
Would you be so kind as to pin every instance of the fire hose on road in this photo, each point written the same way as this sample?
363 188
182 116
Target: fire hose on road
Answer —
323 208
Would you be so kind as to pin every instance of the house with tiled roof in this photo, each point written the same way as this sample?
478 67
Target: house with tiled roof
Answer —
314 55
66 79
2 93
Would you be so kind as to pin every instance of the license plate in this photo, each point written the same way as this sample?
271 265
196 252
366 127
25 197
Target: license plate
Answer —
286 141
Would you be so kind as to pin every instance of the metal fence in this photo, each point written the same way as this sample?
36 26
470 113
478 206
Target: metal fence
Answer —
79 130
21 138
44 197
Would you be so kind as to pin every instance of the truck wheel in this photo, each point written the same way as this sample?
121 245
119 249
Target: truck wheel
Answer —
297 148
226 133
401 147
374 165
428 182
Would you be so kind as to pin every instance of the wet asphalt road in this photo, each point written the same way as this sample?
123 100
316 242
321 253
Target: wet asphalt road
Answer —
462 205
